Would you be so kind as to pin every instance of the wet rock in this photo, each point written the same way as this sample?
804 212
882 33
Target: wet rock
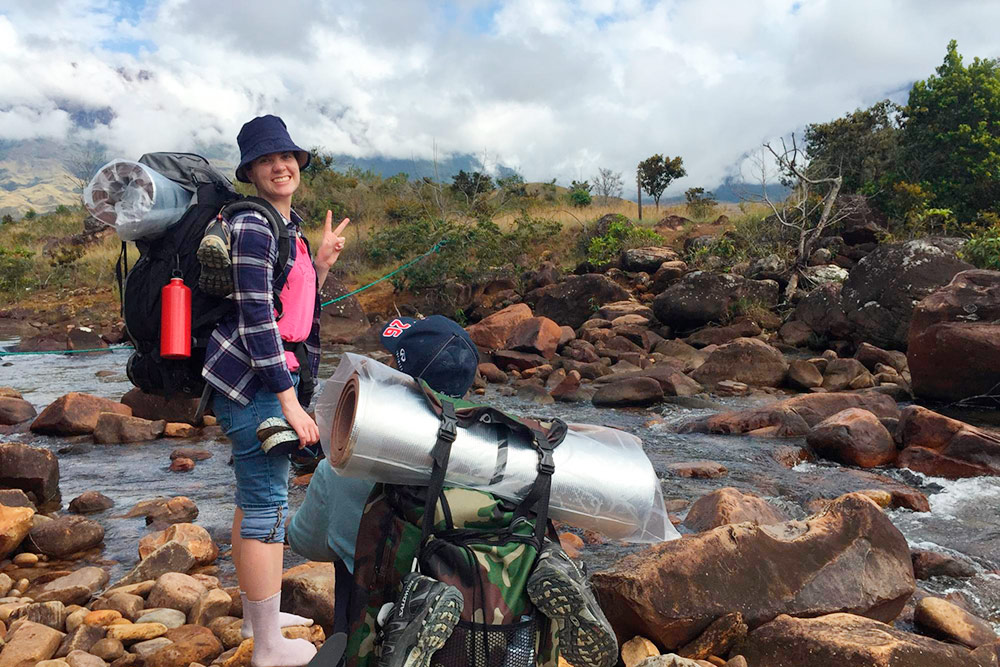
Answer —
848 558
113 428
9 392
799 413
193 537
83 638
212 604
698 469
520 361
181 465
493 331
34 470
953 338
66 535
175 590
723 335
74 588
160 408
927 564
835 639
75 414
15 498
855 437
539 335
795 333
29 644
881 290
307 590
492 374
89 502
193 453
179 430
15 523
15 410
170 557
572 302
725 632
746 360
191 643
944 447
943 620
179 509
728 505
633 391
647 259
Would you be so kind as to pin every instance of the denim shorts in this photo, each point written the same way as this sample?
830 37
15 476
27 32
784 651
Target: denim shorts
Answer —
261 480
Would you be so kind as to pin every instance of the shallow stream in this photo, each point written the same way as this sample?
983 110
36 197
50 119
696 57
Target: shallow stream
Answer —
964 517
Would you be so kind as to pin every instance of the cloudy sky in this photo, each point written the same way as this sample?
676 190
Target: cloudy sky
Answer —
555 88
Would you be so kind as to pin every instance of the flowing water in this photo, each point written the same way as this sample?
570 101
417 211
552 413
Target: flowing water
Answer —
964 519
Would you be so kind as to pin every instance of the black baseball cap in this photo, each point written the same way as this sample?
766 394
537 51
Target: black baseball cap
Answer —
436 350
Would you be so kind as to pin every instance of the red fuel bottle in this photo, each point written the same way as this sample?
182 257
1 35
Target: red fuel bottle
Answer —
175 320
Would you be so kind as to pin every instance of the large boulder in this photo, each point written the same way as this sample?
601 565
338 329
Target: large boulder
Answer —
632 391
702 297
574 300
822 312
15 410
75 414
307 590
846 640
954 338
493 331
15 522
74 588
853 436
29 644
729 505
171 556
188 644
179 509
849 558
536 334
797 414
193 537
34 470
747 360
647 259
154 408
113 428
881 290
65 535
945 447
945 620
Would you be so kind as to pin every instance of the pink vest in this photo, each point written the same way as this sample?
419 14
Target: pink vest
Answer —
298 301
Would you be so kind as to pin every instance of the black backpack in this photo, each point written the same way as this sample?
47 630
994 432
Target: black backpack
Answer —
172 254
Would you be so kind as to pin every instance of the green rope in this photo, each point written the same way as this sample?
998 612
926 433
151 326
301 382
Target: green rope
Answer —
437 246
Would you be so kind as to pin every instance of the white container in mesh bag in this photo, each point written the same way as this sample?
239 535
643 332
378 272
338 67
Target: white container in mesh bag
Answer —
134 199
375 424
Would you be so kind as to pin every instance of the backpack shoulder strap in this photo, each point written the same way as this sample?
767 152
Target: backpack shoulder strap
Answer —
278 228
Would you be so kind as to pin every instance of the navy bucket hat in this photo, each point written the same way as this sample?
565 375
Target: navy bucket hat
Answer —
264 135
436 350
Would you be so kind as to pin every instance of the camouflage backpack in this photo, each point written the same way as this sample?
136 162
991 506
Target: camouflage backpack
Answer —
483 545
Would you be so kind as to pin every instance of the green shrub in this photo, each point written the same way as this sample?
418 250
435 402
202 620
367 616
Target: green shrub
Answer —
7 219
983 249
30 215
580 198
15 267
622 234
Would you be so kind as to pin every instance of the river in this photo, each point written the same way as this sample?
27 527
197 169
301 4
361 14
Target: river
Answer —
964 518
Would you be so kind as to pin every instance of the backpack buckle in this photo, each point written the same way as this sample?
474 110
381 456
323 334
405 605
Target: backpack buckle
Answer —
547 464
448 430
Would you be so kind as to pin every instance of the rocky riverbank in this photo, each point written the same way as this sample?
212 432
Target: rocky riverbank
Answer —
769 573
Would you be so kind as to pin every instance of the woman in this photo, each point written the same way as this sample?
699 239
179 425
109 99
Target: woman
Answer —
255 377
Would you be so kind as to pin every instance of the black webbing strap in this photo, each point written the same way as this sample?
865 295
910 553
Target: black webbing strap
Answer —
439 456
537 500
121 271
307 383
206 396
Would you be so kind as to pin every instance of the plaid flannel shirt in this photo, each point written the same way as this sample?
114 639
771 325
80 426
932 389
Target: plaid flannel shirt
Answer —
245 352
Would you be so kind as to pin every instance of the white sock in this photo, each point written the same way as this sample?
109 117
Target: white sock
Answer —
270 648
285 620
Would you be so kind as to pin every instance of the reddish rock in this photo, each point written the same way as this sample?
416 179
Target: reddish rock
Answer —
537 334
855 437
493 331
634 391
307 590
698 469
65 535
28 644
192 453
872 356
179 430
194 538
848 558
519 361
943 620
74 588
179 509
746 360
927 564
569 385
15 522
15 410
492 373
75 414
950 447
795 333
34 470
89 502
181 464
803 375
846 640
729 505
722 335
190 644
725 632
936 464
841 374
616 309
114 428
797 414
572 302
154 408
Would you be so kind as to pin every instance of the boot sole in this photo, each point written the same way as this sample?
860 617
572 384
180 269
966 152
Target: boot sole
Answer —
582 641
438 625
213 254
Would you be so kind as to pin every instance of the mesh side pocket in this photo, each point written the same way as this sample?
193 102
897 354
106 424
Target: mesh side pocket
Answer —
482 645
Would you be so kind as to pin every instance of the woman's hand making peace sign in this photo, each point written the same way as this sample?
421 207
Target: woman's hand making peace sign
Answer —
330 247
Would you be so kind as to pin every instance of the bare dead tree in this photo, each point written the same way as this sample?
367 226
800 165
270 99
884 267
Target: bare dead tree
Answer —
608 184
811 207
82 161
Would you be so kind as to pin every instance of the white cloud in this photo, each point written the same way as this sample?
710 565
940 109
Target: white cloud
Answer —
555 87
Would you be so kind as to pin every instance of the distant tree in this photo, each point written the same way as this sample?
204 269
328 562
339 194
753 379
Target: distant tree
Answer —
951 133
512 185
608 184
580 185
656 173
863 146
579 197
30 214
7 219
82 161
472 186
319 162
700 203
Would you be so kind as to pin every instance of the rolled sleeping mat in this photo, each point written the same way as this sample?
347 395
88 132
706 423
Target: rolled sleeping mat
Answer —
134 199
375 424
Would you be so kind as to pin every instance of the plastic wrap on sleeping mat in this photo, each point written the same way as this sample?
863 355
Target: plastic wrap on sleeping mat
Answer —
134 199
375 424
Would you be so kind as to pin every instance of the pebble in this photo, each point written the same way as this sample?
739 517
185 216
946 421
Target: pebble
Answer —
25 560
